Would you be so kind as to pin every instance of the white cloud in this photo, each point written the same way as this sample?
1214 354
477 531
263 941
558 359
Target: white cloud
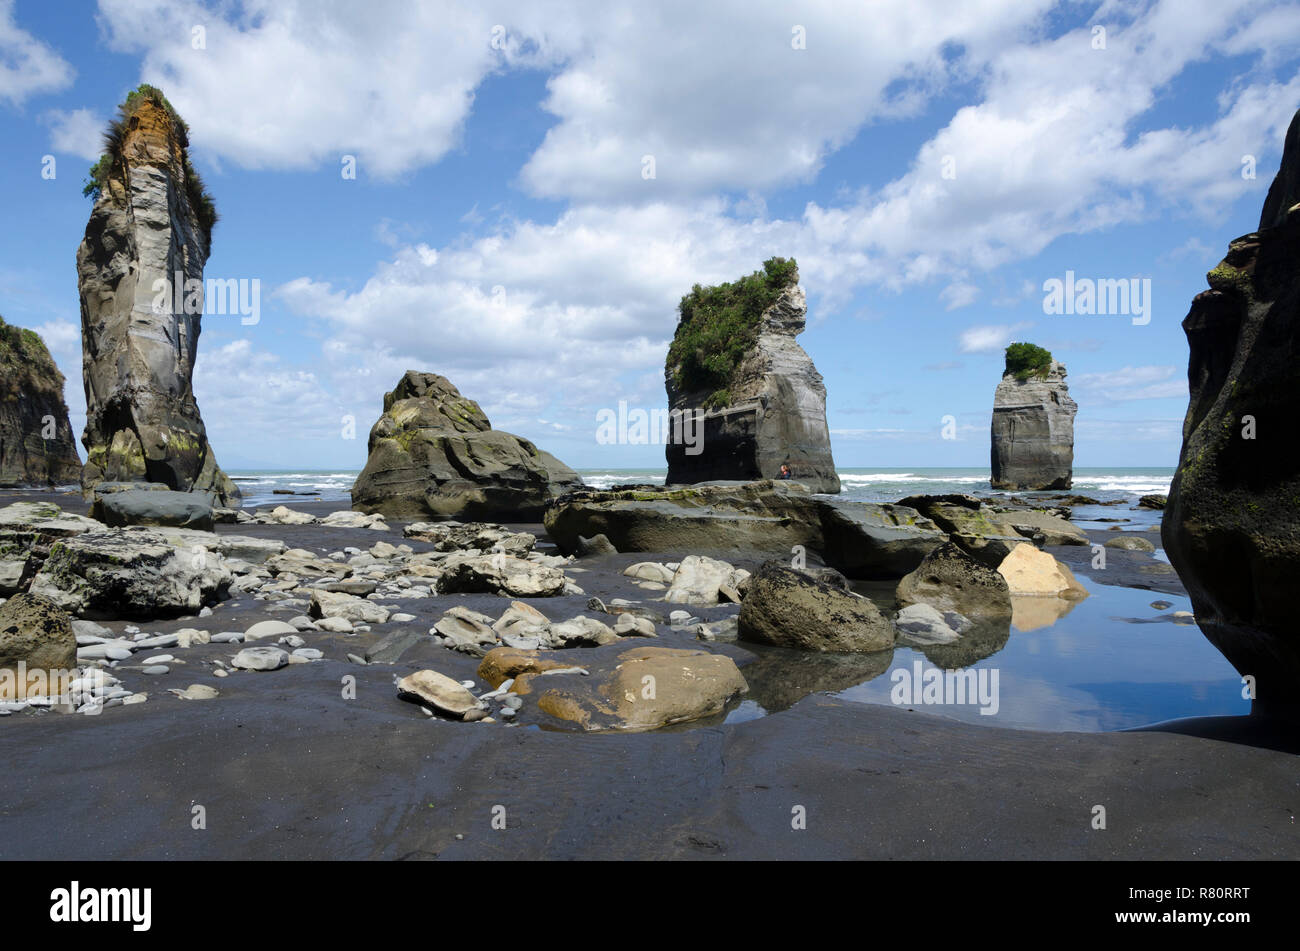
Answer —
988 338
28 67
298 83
1133 383
958 295
79 132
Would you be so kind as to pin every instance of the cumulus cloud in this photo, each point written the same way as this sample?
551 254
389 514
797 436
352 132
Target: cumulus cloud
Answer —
79 132
988 338
28 67
296 83
1133 383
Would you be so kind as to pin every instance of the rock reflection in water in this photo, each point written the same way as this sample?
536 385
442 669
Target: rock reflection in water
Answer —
985 637
780 678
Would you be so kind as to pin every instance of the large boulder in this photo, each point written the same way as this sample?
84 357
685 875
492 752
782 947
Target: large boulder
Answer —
36 633
27 530
130 573
151 507
632 689
1031 573
151 222
1033 431
433 453
1232 523
950 580
861 539
787 608
767 406
36 445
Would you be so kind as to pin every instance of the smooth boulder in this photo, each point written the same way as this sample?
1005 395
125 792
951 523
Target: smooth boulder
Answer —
951 580
787 608
154 507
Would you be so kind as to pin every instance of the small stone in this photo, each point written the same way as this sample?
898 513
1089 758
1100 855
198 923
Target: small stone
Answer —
1162 605
293 640
135 698
335 625
269 629
197 692
357 660
160 659
260 658
401 618
228 637
156 670
309 653
221 672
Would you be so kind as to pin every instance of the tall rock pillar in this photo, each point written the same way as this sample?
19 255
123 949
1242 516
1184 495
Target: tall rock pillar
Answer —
756 399
149 230
1033 431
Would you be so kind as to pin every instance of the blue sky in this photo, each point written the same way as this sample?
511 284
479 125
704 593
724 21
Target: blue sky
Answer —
929 165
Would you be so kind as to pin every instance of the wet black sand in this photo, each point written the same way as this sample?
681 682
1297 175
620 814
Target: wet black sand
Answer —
285 767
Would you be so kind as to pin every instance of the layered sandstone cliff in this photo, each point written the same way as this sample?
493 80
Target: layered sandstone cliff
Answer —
1033 431
36 445
754 397
150 226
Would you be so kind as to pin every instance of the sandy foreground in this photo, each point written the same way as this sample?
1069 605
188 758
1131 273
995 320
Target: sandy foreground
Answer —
285 767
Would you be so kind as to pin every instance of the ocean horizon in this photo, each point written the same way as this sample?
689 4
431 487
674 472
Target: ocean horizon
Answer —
859 484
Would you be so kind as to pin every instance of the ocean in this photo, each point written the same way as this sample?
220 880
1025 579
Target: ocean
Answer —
1106 484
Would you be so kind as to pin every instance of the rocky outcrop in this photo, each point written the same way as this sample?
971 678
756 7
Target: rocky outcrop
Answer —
1033 432
860 539
1232 523
36 445
150 225
767 410
130 573
786 608
434 453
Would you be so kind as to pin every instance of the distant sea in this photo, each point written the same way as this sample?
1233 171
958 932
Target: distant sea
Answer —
1106 484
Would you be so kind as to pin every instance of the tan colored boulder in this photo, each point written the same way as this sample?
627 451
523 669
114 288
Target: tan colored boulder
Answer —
36 633
437 692
1030 572
507 663
646 688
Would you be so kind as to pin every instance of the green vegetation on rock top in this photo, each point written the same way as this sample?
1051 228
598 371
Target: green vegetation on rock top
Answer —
718 325
205 210
25 363
1025 360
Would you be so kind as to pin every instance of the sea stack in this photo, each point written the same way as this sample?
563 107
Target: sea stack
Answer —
1232 523
1033 423
749 396
36 445
150 230
434 453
